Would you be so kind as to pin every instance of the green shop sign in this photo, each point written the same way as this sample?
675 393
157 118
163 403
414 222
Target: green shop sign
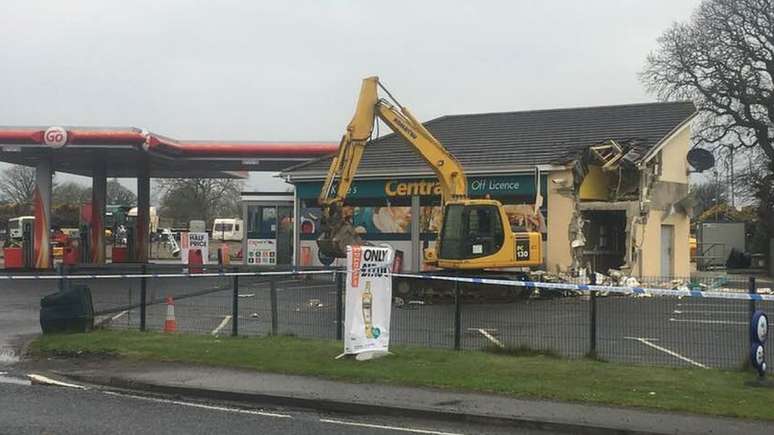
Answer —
501 185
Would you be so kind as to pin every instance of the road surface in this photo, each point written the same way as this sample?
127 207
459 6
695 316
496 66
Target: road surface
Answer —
39 409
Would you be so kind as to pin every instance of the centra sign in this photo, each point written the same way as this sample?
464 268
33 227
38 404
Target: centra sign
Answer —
501 185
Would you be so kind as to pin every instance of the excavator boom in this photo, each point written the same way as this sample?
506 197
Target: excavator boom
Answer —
475 233
337 230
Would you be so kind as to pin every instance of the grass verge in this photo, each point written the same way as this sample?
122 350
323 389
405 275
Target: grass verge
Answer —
714 392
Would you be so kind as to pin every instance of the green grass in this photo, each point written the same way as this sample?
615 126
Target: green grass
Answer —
695 390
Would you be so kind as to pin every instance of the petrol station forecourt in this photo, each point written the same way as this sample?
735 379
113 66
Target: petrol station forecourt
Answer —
100 153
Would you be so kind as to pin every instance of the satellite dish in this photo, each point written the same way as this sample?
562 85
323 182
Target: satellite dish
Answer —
700 159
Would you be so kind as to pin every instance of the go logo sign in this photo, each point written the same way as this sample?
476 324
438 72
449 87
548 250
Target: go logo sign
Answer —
759 330
55 137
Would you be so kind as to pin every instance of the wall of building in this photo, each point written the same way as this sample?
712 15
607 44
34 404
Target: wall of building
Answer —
649 241
561 205
672 187
674 165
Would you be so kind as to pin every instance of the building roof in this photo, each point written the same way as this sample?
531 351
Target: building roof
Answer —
520 140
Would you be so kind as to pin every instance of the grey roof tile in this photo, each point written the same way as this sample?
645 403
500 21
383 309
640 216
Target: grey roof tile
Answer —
522 139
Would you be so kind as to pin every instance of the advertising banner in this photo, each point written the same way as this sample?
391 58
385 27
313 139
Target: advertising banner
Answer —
192 240
262 252
368 299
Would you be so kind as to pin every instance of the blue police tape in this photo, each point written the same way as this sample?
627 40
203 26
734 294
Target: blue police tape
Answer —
585 288
163 275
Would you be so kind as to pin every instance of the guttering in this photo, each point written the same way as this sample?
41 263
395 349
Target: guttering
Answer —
657 148
318 176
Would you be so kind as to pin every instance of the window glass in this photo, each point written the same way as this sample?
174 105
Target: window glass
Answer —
470 232
269 220
453 233
223 227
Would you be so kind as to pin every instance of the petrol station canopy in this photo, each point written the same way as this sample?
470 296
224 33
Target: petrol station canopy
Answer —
122 150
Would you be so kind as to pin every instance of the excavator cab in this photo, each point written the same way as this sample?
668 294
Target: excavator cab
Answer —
476 234
470 231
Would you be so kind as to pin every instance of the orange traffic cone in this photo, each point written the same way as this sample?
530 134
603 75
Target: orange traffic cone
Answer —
170 325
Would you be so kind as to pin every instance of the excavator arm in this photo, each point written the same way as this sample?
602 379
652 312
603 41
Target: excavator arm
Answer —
476 234
336 227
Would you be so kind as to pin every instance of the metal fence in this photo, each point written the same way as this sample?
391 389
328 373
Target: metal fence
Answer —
638 327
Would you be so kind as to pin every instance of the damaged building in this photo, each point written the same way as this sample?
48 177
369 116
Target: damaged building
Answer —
606 186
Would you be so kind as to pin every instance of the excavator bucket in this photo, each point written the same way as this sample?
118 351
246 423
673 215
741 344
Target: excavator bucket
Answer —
337 232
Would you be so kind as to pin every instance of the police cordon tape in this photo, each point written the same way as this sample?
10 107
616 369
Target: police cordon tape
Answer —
585 288
598 288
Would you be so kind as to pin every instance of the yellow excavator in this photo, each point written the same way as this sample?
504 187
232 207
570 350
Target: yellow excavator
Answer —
475 234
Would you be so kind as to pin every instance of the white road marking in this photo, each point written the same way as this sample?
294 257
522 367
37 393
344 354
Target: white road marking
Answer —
246 295
222 325
379 426
491 338
119 315
200 405
702 304
708 312
42 380
668 352
714 322
643 338
13 380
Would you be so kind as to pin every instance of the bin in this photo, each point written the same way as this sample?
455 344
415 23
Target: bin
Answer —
119 254
70 310
71 256
195 261
14 258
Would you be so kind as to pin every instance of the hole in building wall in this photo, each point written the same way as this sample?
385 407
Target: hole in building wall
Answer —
605 232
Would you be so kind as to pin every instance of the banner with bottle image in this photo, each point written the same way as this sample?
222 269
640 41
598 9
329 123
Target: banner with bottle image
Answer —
368 300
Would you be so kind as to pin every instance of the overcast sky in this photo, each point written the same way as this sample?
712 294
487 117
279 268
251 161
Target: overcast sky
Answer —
281 70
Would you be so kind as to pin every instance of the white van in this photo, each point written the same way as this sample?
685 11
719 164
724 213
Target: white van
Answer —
227 229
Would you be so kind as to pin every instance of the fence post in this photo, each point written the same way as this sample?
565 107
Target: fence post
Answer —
235 307
61 270
593 317
143 297
273 296
457 315
339 277
751 290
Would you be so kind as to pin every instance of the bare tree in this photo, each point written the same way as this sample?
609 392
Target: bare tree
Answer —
17 185
118 194
708 195
184 199
723 60
70 193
